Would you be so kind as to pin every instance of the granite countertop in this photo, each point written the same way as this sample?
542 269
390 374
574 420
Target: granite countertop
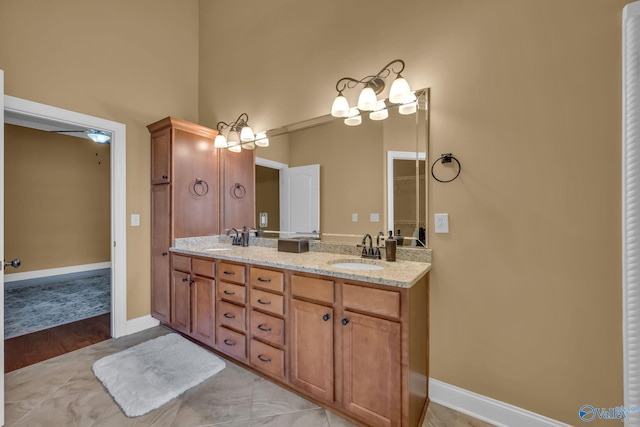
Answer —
398 274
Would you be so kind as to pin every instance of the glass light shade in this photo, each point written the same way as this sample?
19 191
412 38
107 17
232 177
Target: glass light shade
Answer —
400 91
367 100
233 142
354 118
340 107
99 137
220 141
235 148
262 140
246 134
251 145
380 112
408 108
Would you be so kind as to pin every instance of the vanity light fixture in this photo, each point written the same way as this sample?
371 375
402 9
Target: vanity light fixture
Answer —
239 135
400 93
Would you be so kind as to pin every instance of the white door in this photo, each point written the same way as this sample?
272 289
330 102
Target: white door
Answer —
300 199
2 244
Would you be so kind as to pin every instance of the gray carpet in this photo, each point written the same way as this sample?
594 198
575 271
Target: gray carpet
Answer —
37 304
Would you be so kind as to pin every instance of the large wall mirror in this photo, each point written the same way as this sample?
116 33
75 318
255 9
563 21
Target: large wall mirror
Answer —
324 179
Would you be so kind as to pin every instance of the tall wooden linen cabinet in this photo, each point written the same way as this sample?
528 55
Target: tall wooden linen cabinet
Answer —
196 190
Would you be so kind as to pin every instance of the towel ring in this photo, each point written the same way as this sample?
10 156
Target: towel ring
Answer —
200 187
446 158
238 191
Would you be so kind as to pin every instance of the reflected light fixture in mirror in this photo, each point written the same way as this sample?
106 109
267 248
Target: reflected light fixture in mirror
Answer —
400 94
239 135
99 136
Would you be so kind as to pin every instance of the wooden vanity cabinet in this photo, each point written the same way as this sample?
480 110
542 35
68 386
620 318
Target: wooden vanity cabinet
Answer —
192 294
184 199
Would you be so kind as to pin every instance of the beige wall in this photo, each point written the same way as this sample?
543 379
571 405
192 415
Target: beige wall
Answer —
57 199
525 296
526 299
130 62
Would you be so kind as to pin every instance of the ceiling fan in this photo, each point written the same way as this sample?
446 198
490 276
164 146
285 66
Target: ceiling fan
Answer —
98 136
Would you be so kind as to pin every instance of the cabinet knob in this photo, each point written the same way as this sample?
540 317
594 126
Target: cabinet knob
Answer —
165 177
345 321
185 279
165 253
191 282
264 359
326 317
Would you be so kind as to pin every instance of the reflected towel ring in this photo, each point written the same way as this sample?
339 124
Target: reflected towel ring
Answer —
446 158
200 187
238 191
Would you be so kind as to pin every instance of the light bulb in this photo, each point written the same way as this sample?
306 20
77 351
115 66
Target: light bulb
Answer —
220 141
246 134
354 118
262 140
400 91
408 108
367 100
99 137
340 107
380 112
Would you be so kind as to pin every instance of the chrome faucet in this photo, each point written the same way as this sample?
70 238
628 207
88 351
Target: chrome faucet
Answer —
235 240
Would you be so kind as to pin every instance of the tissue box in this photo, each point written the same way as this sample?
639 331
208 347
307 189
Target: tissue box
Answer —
293 245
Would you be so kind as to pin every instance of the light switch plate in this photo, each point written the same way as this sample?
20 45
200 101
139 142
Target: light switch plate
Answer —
264 219
441 222
374 217
354 217
135 220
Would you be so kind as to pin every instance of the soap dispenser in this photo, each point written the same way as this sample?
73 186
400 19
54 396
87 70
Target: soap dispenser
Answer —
390 247
399 239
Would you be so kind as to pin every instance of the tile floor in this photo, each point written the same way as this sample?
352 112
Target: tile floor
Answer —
64 392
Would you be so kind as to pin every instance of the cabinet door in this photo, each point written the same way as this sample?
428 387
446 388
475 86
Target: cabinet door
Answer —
371 368
312 349
181 298
202 306
160 242
195 185
160 163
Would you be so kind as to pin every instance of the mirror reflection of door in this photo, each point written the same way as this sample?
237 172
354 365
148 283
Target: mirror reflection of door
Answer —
409 204
267 198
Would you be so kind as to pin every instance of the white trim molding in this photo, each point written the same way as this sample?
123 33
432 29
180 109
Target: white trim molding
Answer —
140 324
485 408
631 209
38 115
37 274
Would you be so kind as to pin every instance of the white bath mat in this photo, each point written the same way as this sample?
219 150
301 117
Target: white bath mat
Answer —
148 375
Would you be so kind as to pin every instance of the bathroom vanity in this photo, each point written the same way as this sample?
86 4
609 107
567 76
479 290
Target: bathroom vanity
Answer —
354 341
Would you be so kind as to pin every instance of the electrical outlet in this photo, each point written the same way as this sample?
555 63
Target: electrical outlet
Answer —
354 217
135 220
264 219
441 223
374 217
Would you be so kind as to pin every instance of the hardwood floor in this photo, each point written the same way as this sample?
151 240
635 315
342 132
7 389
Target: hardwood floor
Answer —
32 348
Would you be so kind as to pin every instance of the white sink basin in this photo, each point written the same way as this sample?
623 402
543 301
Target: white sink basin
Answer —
356 265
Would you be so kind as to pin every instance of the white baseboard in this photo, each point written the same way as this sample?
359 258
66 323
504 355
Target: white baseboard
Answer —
487 409
140 324
36 274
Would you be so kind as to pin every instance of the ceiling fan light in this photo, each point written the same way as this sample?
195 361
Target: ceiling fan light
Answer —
367 100
340 107
99 137
400 91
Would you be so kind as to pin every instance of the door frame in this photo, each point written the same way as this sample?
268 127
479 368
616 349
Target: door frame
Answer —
31 114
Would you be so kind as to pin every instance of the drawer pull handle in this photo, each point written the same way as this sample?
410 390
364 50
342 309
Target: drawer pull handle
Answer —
229 316
191 282
185 279
260 279
345 321
264 302
263 359
229 273
229 343
326 317
229 292
263 329
165 177
165 253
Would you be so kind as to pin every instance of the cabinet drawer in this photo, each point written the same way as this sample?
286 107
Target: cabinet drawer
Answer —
203 267
267 301
312 288
231 272
232 342
371 300
232 315
182 263
266 279
267 358
231 292
267 327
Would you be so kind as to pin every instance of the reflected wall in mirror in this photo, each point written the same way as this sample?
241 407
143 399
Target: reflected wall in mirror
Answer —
354 176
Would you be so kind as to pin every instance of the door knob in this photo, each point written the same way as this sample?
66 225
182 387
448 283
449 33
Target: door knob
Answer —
15 263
